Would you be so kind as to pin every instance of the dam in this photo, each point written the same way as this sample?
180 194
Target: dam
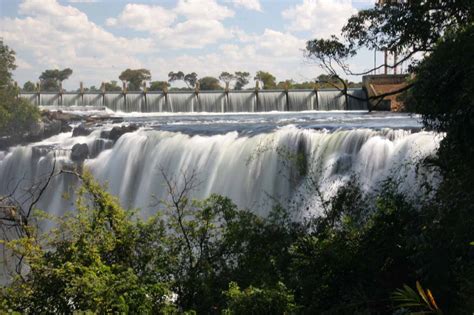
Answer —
208 101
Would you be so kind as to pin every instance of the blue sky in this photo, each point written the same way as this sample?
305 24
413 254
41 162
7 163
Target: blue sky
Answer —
100 38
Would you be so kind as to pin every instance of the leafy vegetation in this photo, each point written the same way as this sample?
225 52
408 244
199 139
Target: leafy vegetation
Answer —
16 114
135 78
51 80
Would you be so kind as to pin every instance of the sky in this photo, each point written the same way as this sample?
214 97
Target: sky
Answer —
99 39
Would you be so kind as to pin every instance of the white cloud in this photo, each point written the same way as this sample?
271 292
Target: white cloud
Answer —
142 17
83 1
193 34
248 4
58 36
201 25
322 17
203 9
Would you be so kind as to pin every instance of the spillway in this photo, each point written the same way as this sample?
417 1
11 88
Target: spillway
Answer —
208 101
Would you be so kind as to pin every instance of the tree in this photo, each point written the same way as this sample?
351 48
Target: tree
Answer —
287 84
50 79
158 85
190 79
110 86
17 115
175 76
7 64
266 79
241 80
29 86
209 83
407 28
135 78
227 78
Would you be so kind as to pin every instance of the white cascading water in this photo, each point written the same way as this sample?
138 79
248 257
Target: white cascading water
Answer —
208 101
252 169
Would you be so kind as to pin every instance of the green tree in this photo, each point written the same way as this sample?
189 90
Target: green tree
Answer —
158 85
304 85
227 78
7 64
99 260
175 76
51 79
17 115
278 300
266 79
191 79
209 83
241 80
135 78
110 86
285 84
29 86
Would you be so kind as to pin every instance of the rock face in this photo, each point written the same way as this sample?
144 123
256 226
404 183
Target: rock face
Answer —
81 131
117 132
79 152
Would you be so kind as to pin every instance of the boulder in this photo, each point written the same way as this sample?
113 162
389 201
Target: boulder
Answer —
81 131
79 152
117 132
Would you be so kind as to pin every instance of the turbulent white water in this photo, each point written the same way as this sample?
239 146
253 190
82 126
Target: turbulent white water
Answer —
248 158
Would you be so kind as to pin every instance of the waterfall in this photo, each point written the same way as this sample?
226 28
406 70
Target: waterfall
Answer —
115 102
49 99
355 104
302 100
181 102
92 99
246 168
331 100
71 100
156 103
271 101
134 102
243 101
211 102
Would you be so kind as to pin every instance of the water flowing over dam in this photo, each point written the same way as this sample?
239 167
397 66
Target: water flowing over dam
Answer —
208 101
247 157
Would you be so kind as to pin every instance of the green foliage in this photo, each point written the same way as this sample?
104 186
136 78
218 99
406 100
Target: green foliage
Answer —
190 79
17 115
209 83
50 79
135 78
158 85
7 64
110 86
227 78
98 259
241 79
407 26
266 79
253 300
29 87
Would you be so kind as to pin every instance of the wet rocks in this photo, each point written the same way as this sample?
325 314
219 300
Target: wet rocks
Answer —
117 132
81 130
79 152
